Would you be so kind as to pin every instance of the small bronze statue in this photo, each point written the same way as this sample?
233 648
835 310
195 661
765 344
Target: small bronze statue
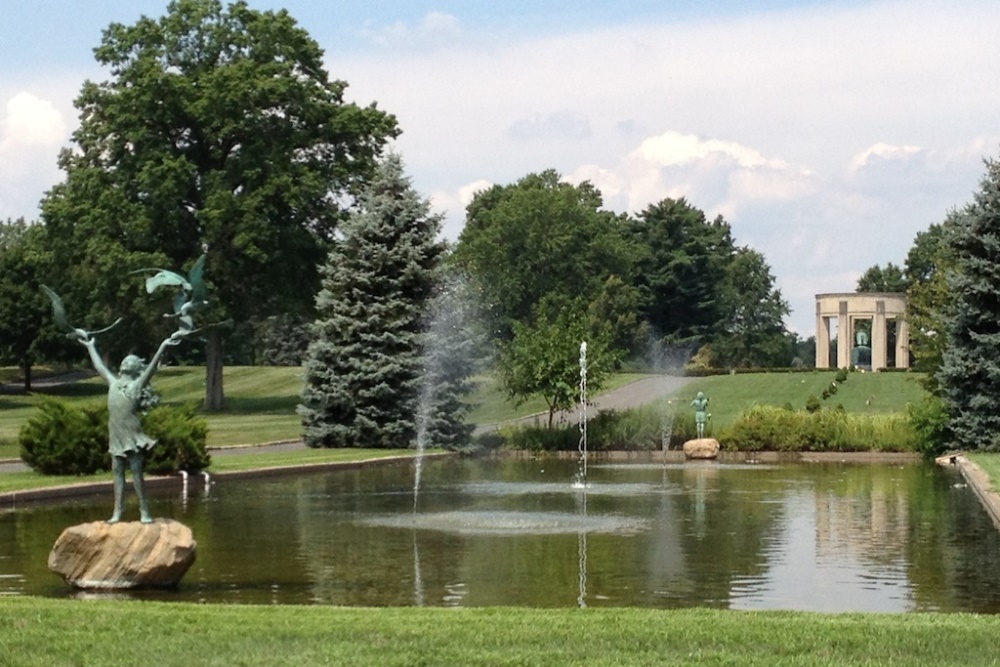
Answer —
700 405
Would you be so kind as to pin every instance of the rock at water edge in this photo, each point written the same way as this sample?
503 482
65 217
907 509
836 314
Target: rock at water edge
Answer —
123 555
701 448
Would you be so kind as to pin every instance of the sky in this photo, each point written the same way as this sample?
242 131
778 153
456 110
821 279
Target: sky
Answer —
827 133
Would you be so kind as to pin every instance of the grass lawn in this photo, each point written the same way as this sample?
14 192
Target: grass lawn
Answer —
41 632
863 393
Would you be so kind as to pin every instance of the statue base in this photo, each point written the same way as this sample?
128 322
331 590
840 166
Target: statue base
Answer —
102 555
701 448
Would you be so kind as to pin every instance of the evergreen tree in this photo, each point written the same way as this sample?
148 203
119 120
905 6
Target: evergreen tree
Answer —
969 376
363 365
681 261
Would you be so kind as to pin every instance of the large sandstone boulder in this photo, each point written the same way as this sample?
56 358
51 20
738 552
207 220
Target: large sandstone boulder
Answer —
701 448
123 555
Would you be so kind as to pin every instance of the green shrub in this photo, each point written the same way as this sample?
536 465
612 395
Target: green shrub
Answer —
841 375
180 436
929 419
64 440
767 427
642 428
813 404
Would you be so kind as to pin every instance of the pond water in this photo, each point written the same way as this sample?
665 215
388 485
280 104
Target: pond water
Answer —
515 532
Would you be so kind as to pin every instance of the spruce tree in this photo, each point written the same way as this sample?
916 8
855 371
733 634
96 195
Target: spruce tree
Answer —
363 366
969 376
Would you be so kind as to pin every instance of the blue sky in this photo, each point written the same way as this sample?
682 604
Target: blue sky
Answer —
827 133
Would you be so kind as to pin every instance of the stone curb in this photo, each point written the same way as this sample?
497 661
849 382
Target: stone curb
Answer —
977 478
11 499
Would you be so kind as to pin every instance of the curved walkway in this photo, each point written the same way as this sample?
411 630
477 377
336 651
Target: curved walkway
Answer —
632 395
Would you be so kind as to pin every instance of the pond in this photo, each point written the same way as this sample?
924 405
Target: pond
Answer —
484 531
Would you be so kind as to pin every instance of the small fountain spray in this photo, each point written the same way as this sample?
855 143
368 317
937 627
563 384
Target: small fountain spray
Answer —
581 474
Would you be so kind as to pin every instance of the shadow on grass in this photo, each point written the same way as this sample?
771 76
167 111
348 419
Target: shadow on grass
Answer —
262 404
72 390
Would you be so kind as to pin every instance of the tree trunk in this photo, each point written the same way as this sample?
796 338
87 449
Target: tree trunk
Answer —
214 395
26 371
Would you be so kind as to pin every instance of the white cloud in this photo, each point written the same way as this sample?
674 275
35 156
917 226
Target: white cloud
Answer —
435 28
676 149
883 151
31 132
451 205
30 121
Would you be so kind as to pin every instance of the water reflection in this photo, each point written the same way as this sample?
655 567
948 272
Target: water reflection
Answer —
825 538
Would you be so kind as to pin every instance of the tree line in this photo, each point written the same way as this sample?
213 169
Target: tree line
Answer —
220 133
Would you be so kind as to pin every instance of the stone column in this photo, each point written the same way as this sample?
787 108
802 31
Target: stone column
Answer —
902 343
844 331
822 339
879 341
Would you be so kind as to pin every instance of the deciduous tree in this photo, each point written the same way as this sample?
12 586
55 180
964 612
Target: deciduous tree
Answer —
26 332
543 358
754 331
219 132
539 238
889 278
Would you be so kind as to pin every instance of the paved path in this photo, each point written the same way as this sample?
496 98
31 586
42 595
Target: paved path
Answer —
632 395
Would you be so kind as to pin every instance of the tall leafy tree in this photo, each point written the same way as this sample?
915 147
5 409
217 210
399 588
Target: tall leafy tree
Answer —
930 305
754 330
969 376
543 357
681 267
363 366
889 278
26 332
219 132
539 238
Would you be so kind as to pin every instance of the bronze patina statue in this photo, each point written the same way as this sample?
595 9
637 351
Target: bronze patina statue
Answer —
127 442
700 405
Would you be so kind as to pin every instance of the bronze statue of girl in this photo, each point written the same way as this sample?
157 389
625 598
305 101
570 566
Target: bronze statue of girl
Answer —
127 442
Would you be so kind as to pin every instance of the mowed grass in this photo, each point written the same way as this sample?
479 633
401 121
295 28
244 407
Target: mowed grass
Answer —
862 393
260 403
42 633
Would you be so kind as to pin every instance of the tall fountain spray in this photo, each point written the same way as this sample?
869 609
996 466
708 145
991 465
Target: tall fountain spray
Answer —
581 473
452 349
581 479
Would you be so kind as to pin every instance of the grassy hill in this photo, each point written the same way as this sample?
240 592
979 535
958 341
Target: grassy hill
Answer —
862 393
